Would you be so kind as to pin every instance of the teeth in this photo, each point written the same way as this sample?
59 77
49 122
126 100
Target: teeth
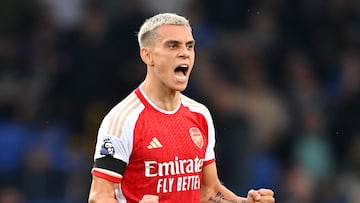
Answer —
181 69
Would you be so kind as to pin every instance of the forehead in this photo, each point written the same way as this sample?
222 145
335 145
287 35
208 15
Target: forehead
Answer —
174 32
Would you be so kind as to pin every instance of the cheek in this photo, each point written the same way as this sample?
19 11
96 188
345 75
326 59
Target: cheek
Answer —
162 59
165 63
163 69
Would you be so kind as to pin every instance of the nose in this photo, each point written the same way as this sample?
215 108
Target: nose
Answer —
184 52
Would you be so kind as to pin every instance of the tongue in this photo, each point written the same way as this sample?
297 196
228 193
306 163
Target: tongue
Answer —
180 75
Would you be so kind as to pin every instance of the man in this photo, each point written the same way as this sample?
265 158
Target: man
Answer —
157 145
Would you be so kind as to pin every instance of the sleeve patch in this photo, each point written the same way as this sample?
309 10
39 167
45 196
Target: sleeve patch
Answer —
107 148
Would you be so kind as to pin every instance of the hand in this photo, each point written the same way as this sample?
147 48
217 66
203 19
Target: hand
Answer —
260 196
150 199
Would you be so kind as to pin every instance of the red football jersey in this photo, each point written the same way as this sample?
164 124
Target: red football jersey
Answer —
152 151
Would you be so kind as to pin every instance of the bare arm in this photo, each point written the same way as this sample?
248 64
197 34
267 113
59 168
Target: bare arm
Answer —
213 191
102 190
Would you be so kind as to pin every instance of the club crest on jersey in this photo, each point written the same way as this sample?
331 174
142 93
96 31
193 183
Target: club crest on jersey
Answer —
196 137
107 148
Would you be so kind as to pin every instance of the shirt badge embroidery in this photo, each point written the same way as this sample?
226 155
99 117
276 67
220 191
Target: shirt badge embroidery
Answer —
107 148
196 137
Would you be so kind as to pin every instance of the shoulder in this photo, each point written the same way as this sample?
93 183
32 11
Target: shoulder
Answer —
125 111
194 105
125 106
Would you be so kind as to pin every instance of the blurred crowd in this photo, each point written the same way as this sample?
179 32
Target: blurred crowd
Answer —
281 78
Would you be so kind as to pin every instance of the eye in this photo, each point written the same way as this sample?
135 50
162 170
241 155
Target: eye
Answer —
190 46
173 45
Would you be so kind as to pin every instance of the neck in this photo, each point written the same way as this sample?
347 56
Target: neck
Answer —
163 97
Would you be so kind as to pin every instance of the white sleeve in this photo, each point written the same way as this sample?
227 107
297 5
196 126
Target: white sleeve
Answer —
210 153
115 138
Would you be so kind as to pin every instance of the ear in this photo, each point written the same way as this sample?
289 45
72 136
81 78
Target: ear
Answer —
146 56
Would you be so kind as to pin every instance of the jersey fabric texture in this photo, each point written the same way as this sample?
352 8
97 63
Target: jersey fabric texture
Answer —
151 151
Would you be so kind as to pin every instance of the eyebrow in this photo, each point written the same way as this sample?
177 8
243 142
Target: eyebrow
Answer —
178 42
190 42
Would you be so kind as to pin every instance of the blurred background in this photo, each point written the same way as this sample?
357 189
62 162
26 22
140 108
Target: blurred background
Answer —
281 78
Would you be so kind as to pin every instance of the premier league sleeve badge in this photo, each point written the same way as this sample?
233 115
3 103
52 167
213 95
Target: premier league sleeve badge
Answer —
107 148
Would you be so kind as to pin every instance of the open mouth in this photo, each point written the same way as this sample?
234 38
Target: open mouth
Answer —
182 69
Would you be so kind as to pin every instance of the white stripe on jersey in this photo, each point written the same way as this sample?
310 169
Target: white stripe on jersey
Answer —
117 126
119 195
125 115
122 112
114 112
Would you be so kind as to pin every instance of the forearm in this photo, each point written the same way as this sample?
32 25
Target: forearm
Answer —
102 190
221 195
101 199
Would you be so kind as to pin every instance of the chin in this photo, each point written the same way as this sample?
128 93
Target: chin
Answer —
181 88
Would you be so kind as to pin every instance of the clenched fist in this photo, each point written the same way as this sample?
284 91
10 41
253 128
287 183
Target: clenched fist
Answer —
260 196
